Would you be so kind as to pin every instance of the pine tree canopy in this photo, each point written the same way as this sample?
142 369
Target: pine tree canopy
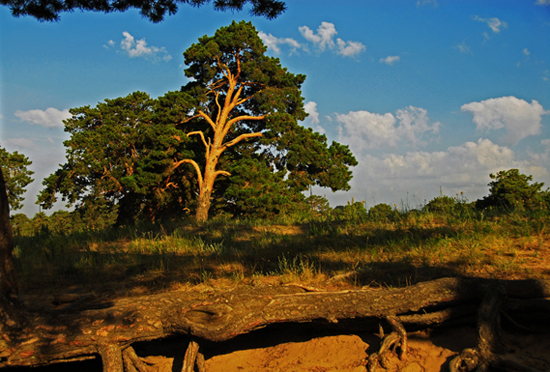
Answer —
154 10
17 176
229 140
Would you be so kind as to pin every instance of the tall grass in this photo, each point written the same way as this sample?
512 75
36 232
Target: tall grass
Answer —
395 247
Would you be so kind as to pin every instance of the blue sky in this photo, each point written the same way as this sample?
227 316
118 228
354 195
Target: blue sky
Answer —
430 95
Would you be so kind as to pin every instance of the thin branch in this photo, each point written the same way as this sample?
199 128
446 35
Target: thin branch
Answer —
221 173
194 164
240 118
224 69
219 107
208 119
206 145
240 138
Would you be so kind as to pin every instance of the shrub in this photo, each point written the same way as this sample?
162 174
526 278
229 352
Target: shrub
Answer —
441 204
511 191
381 212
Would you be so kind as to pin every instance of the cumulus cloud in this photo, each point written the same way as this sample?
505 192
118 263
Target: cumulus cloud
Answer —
50 118
390 60
517 117
323 40
494 24
349 48
140 48
274 43
365 130
313 117
419 175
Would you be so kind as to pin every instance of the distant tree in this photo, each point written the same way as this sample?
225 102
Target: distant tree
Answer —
154 10
441 204
118 156
244 108
17 176
381 212
511 190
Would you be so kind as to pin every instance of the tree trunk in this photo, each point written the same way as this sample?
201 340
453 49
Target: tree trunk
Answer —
203 206
8 284
207 186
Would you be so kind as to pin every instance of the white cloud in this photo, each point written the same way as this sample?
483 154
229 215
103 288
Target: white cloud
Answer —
420 3
417 176
109 45
390 60
526 51
517 117
494 24
324 36
313 117
349 48
50 118
542 2
324 39
274 43
365 130
139 48
463 48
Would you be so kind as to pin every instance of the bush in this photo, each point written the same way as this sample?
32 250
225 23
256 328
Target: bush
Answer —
381 212
441 204
511 191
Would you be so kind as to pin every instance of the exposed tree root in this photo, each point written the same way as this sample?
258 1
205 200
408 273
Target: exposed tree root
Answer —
41 339
489 352
389 343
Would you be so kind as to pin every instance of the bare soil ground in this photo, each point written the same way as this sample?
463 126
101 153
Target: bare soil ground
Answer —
429 351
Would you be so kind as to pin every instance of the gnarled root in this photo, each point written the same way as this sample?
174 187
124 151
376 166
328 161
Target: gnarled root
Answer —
487 355
132 362
192 357
466 361
390 342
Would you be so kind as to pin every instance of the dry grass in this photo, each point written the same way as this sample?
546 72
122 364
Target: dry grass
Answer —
321 254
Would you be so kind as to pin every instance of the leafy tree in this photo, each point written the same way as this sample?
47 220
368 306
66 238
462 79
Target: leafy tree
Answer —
118 156
245 107
511 190
154 10
17 176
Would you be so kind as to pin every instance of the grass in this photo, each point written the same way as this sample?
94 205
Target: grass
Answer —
408 248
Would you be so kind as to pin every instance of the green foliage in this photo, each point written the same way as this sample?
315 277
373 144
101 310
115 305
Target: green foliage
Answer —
17 176
62 223
119 156
133 156
381 212
511 191
49 10
268 172
441 204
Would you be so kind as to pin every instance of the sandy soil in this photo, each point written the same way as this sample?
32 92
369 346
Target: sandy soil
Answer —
428 352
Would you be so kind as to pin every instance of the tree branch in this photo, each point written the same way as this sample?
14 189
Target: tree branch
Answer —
240 138
194 164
